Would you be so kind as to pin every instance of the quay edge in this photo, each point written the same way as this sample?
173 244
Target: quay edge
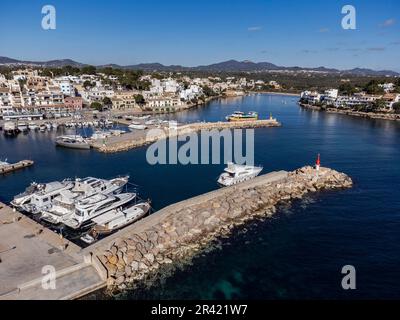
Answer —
138 139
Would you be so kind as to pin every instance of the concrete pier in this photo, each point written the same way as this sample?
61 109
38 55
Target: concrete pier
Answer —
164 238
139 138
26 247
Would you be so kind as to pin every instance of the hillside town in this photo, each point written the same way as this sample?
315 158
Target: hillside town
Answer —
41 93
375 97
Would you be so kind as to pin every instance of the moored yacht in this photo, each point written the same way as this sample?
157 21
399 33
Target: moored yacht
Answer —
137 127
22 126
116 219
10 129
63 206
72 141
95 205
26 196
42 199
235 173
33 126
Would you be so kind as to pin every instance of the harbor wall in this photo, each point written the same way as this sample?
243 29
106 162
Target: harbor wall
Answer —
134 140
176 233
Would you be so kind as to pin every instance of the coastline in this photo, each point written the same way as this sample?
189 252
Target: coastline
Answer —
360 114
290 94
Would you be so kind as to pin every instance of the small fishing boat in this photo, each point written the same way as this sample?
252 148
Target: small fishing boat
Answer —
73 142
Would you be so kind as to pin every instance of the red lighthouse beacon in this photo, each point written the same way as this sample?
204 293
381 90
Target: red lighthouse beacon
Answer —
318 162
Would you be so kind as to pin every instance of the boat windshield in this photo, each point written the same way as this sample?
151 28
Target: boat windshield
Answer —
80 213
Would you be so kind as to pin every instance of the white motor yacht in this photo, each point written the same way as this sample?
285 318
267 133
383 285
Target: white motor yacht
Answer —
116 219
95 205
33 126
64 205
73 141
43 198
235 173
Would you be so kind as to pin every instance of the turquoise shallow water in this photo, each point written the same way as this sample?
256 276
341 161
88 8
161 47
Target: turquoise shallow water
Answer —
297 254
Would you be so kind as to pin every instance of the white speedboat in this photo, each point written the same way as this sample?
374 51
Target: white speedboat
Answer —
116 219
22 126
48 126
117 132
42 128
73 141
64 205
10 129
33 126
95 205
137 127
235 173
54 125
42 199
100 135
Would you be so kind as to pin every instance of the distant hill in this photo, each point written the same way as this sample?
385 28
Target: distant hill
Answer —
51 63
225 66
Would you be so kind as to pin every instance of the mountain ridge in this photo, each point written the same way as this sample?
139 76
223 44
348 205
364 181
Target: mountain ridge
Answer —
224 66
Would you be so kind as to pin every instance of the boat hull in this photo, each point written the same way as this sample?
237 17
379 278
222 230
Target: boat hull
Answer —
80 146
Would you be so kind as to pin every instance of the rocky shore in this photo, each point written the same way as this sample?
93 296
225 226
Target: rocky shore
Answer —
360 114
177 236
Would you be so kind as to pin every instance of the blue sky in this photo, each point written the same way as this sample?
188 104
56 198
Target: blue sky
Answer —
190 33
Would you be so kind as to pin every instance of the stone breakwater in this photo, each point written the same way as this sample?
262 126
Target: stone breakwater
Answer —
360 114
176 236
138 139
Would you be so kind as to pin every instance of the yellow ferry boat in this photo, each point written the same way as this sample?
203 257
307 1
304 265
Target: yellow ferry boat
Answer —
241 116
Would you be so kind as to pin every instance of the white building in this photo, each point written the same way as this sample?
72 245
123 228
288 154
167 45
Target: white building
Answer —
311 97
67 88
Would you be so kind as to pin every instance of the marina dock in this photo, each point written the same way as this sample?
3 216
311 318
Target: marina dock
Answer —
15 166
163 238
139 138
26 248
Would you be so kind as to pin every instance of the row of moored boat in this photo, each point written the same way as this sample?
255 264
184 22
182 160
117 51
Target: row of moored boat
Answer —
91 206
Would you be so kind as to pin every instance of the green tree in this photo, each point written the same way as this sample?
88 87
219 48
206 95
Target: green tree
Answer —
139 99
347 89
378 104
208 92
88 70
396 107
88 84
97 106
373 87
107 102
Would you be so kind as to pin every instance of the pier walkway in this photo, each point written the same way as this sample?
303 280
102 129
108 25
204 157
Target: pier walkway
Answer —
26 247
139 138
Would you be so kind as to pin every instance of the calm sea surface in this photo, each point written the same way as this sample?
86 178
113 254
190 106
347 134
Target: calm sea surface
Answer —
297 254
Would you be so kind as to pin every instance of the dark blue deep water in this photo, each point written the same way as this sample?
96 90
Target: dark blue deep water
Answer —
297 254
